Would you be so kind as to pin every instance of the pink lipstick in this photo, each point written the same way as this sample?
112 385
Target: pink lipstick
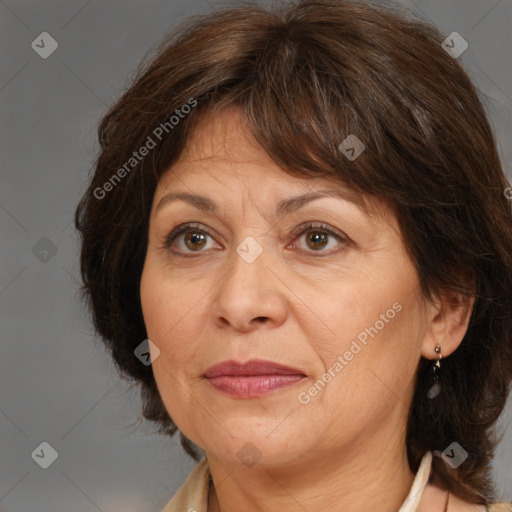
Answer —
252 379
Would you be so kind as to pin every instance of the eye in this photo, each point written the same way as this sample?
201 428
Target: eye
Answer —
190 238
195 238
319 237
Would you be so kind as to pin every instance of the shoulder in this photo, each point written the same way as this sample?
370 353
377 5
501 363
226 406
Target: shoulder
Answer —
192 496
434 498
500 507
457 504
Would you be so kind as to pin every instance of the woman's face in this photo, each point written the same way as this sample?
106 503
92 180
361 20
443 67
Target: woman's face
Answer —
250 280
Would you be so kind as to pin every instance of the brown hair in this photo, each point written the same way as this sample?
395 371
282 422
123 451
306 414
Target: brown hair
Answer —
307 75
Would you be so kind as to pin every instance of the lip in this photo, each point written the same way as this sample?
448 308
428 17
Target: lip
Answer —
252 367
253 378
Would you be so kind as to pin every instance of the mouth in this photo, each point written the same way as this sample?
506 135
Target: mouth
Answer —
252 379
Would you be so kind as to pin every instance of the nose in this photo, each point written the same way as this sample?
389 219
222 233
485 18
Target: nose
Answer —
250 295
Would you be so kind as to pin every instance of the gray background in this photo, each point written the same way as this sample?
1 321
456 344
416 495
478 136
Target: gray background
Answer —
57 385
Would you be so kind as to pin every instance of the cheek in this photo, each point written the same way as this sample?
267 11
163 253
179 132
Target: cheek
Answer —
169 318
166 306
369 364
157 304
375 326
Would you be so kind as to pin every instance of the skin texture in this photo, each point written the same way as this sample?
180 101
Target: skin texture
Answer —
295 306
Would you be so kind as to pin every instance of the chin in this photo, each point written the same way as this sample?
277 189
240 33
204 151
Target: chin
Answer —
256 450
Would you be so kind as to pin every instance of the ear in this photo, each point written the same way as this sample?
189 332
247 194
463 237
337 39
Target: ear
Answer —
447 323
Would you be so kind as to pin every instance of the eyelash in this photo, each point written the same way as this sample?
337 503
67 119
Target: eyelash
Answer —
310 226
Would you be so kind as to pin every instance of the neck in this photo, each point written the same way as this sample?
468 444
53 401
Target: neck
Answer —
353 479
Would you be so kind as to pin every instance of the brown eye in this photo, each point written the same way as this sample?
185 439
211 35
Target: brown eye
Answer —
320 238
195 240
317 240
187 239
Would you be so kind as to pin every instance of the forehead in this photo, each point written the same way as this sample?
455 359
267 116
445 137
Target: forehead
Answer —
224 139
221 153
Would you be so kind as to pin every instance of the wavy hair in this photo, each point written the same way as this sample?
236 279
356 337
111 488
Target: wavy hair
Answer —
306 75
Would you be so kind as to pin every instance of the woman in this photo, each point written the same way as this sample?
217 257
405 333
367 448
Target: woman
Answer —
297 239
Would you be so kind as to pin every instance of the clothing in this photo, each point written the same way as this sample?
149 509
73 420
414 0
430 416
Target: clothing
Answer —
413 499
500 507
192 496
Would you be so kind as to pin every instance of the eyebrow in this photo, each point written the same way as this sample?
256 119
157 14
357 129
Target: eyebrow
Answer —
284 207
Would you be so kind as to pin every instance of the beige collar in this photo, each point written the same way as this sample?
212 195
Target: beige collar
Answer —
193 494
418 486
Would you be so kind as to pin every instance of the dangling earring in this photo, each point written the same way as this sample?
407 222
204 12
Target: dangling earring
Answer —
436 387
